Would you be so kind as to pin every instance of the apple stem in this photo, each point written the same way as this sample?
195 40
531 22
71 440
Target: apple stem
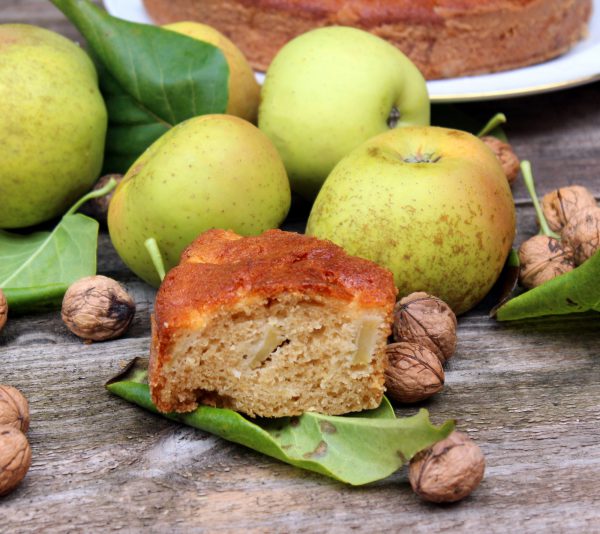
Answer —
492 124
156 257
93 194
393 118
530 184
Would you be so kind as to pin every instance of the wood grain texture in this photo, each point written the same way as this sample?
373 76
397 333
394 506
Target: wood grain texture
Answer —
528 393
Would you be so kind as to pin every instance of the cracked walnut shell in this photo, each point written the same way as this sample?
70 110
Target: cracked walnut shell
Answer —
543 258
582 234
561 205
3 310
15 458
414 373
97 308
14 409
506 156
426 320
449 470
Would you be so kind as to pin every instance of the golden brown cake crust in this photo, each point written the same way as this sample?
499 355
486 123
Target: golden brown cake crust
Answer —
221 267
444 38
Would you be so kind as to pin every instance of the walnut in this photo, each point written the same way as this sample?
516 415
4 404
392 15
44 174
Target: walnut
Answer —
448 471
98 207
562 204
15 458
414 373
543 258
97 308
14 409
507 158
582 234
3 310
426 320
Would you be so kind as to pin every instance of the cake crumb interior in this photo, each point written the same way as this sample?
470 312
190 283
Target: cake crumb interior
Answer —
281 356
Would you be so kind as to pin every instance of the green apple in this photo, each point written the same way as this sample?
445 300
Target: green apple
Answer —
244 91
52 124
329 90
213 171
431 204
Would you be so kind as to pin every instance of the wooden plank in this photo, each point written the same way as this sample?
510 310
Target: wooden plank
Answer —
529 393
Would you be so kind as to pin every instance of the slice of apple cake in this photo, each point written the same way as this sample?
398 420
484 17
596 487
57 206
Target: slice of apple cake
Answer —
273 325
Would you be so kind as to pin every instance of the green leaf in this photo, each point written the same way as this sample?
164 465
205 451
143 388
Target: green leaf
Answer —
572 292
151 78
156 257
37 269
530 185
356 449
131 129
493 125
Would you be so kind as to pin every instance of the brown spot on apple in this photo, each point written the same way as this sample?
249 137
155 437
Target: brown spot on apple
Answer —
455 133
373 151
8 40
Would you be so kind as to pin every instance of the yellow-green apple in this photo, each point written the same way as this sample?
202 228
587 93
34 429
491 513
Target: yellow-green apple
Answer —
431 204
329 90
52 124
244 91
212 171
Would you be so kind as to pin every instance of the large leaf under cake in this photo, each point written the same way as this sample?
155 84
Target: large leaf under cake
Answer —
355 449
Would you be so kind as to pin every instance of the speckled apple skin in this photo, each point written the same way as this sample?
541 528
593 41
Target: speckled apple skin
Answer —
329 90
213 171
444 227
52 124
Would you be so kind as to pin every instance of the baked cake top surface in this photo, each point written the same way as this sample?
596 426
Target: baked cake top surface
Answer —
221 268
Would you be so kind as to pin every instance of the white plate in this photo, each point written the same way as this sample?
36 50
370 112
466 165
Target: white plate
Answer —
578 66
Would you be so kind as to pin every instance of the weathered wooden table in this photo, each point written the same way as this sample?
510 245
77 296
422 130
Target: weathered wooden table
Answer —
529 393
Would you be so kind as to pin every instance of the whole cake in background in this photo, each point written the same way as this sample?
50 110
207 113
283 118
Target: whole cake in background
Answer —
444 38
